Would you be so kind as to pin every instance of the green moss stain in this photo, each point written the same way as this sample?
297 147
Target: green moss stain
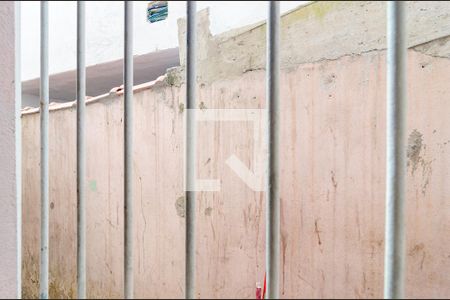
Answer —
170 79
181 108
30 277
316 10
61 290
320 9
173 78
180 206
415 143
93 185
58 288
208 211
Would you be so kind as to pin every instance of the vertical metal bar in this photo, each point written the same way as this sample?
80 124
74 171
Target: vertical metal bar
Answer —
273 110
190 148
396 150
18 126
128 151
81 152
44 117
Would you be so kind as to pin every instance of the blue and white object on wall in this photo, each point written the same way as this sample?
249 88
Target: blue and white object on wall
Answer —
157 11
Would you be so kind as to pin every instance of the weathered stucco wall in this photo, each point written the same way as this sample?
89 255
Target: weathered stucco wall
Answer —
9 225
333 174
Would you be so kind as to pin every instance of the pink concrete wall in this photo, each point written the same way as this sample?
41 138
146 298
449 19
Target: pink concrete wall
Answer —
333 165
8 197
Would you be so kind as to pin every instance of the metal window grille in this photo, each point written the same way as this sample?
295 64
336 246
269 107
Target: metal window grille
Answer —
395 163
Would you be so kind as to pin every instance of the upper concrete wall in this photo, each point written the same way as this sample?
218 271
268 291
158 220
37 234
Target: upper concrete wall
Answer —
318 31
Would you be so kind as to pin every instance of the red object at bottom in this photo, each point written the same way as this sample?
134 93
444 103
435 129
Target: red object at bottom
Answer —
258 292
264 289
261 292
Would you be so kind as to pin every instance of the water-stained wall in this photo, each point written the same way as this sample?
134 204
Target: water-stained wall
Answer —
332 184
